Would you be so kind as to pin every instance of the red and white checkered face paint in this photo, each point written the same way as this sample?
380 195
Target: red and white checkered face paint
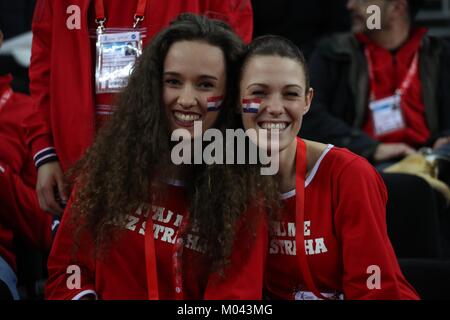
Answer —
214 103
251 105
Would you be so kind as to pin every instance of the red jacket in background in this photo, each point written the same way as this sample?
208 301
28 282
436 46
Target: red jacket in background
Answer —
389 71
345 235
121 272
20 214
61 70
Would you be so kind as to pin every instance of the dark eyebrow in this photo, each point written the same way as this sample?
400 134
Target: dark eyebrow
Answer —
265 86
203 76
294 85
257 84
169 73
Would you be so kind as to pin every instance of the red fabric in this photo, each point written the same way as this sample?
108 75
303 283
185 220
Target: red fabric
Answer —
121 274
61 70
301 166
345 233
14 149
389 72
6 247
20 215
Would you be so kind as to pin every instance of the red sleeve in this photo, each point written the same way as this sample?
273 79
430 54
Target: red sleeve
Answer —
21 212
360 220
37 124
67 263
243 278
237 13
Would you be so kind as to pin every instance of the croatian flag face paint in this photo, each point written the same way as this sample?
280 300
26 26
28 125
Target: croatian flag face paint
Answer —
214 103
251 105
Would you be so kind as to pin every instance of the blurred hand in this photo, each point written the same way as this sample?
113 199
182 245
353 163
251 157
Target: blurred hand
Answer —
388 151
50 176
440 142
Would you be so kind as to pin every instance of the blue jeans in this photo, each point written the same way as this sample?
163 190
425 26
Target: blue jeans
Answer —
8 276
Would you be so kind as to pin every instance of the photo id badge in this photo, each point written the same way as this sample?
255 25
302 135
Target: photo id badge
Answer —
387 115
115 58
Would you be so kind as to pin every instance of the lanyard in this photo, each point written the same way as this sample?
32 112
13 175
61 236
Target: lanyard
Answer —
100 17
406 82
300 170
150 261
177 259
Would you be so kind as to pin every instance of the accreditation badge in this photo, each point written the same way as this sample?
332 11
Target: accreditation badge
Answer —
116 54
387 115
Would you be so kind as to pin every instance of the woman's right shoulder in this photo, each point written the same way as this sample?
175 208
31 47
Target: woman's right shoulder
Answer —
343 158
354 172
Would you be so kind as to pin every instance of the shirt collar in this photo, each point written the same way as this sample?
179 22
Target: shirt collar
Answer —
412 44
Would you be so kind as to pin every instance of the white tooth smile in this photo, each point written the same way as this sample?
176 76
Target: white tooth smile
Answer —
274 125
186 117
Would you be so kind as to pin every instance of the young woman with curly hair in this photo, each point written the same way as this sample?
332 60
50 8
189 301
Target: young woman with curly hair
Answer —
201 244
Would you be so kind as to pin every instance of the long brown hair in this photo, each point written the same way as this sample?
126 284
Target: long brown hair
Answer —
122 169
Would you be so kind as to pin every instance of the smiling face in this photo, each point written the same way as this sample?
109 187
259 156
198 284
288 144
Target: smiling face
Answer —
280 85
193 72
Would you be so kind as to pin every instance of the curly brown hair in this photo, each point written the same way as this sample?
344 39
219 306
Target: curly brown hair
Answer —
126 165
222 195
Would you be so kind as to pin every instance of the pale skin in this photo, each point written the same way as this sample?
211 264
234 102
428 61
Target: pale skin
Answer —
280 84
193 72
394 32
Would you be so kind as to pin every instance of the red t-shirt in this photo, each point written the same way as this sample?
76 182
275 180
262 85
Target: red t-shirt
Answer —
121 274
389 71
345 233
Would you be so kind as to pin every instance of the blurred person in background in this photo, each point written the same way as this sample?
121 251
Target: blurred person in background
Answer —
383 94
398 67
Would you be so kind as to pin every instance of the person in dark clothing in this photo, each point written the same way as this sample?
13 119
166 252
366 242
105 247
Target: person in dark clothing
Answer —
353 74
303 22
350 72
343 88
